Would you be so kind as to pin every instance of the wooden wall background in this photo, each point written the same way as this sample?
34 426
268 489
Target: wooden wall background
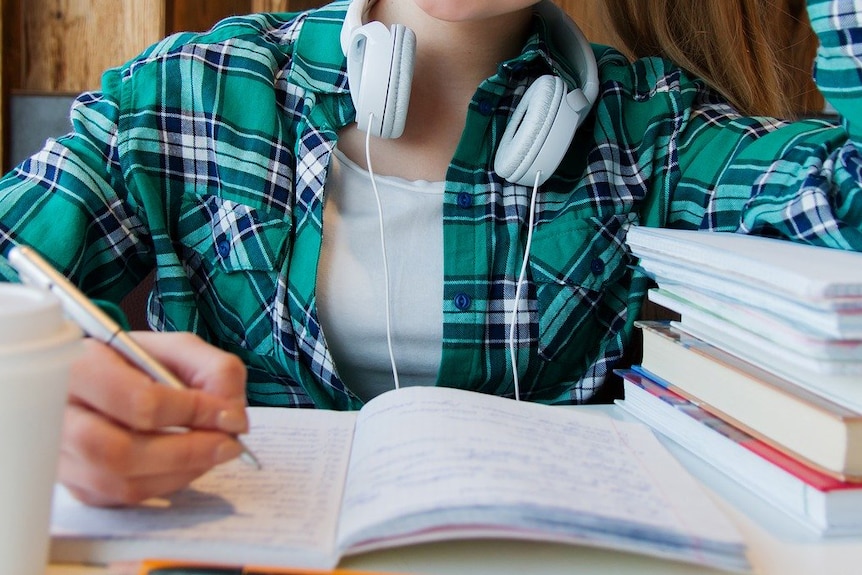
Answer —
62 46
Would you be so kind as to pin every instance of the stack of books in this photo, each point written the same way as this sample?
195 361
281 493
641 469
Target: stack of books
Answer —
762 375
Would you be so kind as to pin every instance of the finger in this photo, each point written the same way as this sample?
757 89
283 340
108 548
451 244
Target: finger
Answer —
197 363
106 464
101 443
103 381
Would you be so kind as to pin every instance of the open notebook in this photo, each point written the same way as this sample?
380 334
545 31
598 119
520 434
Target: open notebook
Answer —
418 464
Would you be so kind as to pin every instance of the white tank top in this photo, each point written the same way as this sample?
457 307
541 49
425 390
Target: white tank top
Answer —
350 286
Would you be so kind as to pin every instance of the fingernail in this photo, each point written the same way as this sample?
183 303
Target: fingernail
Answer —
227 450
231 421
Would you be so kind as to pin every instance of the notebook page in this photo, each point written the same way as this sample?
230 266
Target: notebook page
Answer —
418 451
285 512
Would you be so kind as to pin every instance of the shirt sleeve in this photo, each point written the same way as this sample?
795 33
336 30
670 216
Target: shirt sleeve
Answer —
69 201
803 181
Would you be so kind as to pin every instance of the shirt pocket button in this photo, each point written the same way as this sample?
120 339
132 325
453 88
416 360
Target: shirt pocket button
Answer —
223 248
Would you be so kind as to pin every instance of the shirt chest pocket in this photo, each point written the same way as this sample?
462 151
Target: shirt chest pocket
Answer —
233 255
577 267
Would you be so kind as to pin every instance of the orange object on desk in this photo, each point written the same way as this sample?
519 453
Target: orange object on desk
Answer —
168 567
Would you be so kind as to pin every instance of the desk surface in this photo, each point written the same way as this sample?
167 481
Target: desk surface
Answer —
777 545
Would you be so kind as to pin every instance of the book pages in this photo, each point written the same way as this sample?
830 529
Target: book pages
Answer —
436 463
285 513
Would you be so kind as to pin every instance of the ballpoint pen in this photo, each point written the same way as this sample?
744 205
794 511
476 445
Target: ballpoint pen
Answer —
34 270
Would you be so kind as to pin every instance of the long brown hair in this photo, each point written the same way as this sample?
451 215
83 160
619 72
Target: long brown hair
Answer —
757 53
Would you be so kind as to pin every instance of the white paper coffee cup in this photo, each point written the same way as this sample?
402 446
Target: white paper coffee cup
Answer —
37 347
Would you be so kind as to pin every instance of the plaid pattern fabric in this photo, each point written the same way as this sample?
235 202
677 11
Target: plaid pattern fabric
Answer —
206 159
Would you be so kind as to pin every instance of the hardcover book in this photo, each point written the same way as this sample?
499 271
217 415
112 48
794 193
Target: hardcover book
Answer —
825 434
823 503
843 389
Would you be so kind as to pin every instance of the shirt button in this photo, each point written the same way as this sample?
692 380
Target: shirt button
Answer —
223 248
462 301
597 266
465 200
485 107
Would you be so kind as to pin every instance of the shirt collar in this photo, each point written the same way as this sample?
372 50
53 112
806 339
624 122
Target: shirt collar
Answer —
318 63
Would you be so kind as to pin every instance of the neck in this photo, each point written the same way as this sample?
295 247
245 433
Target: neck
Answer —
456 55
452 59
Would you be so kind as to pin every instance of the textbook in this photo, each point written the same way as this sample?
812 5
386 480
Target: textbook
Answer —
818 501
824 277
815 287
845 390
417 464
793 341
790 417
829 368
837 324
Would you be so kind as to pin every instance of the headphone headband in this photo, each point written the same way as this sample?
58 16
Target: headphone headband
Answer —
580 53
353 20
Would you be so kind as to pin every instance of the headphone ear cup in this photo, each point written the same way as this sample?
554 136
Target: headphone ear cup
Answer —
528 129
380 74
400 82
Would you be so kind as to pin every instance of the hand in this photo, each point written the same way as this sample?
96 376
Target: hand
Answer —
115 450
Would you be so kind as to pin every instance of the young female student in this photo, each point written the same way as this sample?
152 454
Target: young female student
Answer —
254 166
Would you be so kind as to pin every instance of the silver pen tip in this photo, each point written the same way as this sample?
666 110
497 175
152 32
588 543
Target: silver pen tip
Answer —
250 458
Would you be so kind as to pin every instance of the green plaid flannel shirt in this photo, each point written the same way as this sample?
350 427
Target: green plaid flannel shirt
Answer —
205 158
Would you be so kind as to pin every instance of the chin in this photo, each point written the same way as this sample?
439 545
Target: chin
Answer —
471 10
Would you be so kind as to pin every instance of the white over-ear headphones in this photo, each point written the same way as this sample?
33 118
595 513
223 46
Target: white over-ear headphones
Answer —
380 70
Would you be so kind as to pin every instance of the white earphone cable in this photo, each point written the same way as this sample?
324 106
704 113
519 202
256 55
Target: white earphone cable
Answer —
383 252
522 276
386 290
